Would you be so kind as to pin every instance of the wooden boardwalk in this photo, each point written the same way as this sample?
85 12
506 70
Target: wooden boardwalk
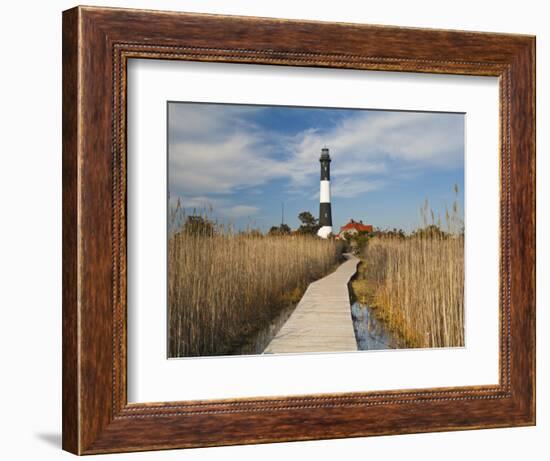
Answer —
322 320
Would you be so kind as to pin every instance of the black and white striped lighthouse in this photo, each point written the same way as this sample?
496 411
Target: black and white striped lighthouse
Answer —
325 213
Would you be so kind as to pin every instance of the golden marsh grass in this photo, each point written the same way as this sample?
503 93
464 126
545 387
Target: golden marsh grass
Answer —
224 286
416 285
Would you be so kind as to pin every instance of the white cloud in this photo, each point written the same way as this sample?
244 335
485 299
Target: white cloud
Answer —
240 211
222 207
216 150
353 187
365 144
238 161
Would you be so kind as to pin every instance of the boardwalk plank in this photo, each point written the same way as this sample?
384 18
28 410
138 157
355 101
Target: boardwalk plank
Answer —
322 320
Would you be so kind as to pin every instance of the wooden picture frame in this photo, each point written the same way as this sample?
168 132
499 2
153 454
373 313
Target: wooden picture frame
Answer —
97 43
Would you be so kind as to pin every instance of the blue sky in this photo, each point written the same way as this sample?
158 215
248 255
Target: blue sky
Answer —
243 161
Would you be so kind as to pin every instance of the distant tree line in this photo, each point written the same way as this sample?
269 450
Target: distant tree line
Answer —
201 225
309 226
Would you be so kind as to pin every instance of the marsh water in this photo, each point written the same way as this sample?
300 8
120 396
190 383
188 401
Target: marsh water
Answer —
259 340
370 332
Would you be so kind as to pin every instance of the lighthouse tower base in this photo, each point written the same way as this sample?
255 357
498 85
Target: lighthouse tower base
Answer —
324 232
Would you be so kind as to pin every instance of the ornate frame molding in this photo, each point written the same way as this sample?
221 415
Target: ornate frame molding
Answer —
97 43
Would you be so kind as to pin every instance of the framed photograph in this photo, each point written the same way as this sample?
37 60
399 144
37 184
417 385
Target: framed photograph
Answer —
281 230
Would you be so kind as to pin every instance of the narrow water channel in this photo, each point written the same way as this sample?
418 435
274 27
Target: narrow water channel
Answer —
370 332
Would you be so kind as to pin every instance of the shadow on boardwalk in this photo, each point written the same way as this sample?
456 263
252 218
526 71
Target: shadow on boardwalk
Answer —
322 320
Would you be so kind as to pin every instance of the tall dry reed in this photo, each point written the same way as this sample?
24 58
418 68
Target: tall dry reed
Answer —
416 282
224 286
418 287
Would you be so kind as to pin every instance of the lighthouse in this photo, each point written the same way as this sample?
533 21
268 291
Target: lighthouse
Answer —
325 214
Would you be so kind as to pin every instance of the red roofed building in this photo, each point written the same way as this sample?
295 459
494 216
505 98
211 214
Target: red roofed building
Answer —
354 227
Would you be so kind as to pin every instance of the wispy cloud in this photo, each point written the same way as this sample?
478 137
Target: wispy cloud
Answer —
224 207
215 151
366 144
240 211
